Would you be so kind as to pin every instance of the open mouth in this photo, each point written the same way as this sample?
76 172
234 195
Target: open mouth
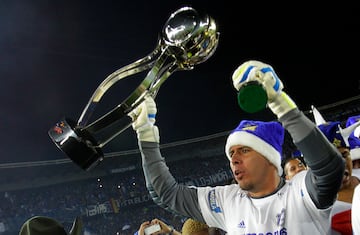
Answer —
238 174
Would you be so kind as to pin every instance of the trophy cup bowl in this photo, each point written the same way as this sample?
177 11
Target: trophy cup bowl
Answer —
192 37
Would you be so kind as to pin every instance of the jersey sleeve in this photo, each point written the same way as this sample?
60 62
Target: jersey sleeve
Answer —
180 199
326 164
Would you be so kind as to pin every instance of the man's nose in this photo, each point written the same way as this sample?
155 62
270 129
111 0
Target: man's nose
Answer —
235 160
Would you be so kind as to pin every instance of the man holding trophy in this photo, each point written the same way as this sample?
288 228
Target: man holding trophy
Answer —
261 202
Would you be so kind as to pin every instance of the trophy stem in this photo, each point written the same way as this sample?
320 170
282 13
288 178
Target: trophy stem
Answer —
138 66
152 82
103 143
153 91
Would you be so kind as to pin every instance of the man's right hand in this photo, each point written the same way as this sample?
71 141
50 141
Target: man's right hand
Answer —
143 118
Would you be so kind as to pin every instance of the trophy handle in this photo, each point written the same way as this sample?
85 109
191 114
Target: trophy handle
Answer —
136 67
150 85
188 38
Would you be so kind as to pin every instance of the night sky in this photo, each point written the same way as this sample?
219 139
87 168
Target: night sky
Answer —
54 54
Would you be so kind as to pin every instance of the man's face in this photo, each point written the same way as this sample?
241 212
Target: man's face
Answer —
292 167
250 168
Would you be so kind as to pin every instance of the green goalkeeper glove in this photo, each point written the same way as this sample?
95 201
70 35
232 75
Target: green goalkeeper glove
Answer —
255 71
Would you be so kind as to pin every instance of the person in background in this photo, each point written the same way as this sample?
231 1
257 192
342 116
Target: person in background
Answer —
190 227
43 225
354 144
292 166
261 202
355 211
340 138
164 228
341 213
194 227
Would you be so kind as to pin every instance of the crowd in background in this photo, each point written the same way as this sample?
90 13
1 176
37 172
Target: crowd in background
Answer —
113 204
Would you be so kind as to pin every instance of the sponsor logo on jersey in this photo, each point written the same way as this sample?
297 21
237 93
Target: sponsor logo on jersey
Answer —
212 202
280 218
241 224
278 232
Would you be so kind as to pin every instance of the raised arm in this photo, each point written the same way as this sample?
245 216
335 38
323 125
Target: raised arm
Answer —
326 165
164 189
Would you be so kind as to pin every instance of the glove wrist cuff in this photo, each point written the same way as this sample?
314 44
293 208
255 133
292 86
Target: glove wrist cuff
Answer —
149 134
282 104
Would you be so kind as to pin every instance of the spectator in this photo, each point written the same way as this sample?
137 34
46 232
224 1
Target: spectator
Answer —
354 144
190 227
292 166
341 212
193 227
355 211
164 228
42 225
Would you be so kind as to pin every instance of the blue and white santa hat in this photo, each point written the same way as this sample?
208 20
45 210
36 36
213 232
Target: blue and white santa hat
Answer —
332 132
354 140
337 135
330 129
265 138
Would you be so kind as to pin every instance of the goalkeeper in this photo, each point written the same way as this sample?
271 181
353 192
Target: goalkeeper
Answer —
261 202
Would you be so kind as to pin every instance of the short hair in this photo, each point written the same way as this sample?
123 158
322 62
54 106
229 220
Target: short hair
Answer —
286 160
191 226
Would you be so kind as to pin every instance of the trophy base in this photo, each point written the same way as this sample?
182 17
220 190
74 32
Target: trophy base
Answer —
78 145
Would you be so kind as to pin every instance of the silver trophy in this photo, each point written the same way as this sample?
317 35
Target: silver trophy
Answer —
188 38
